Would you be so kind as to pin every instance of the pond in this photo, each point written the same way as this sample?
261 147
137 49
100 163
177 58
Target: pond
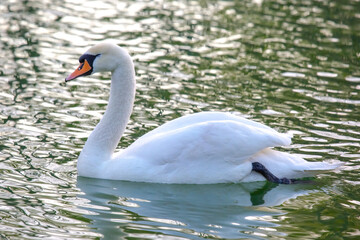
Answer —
292 65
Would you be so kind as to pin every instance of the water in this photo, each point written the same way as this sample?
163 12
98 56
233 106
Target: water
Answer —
293 65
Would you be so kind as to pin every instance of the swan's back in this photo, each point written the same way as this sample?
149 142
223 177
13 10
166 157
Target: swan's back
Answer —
225 128
203 117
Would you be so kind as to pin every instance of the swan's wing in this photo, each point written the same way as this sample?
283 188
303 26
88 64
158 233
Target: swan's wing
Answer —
203 117
213 151
220 138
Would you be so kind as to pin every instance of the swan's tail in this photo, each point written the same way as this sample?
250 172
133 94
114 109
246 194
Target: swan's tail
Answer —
314 168
284 165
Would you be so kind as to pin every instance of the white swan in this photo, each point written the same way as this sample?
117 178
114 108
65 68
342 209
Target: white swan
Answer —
201 148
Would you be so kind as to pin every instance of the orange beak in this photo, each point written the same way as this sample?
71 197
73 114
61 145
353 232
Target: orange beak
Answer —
83 69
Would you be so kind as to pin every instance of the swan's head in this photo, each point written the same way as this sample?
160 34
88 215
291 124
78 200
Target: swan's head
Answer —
102 57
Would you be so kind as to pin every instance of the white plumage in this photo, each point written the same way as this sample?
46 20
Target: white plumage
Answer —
202 148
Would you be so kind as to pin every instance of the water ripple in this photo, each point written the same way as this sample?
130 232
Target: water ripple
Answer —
291 65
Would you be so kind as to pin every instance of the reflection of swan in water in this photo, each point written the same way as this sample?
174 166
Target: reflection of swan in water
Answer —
223 210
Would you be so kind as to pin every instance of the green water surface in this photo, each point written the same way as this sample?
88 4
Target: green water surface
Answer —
292 65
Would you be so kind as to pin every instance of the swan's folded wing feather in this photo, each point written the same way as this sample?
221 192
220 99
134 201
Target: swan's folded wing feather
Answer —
203 117
213 140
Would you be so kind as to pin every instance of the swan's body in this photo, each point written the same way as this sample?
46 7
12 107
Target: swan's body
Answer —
208 147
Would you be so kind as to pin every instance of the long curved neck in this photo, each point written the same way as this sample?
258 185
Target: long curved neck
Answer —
103 141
